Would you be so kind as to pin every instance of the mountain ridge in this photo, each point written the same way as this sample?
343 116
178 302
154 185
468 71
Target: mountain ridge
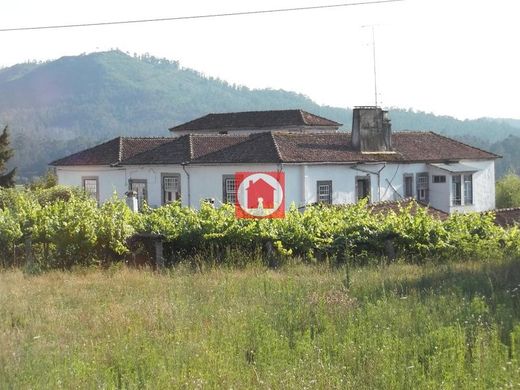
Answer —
77 101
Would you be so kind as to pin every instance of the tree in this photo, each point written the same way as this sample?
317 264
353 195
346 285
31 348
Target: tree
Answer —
508 191
48 180
6 179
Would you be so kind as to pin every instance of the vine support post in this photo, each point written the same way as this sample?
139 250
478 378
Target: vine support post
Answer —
159 259
29 260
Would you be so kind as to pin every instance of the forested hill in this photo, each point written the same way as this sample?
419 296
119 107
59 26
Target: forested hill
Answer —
58 107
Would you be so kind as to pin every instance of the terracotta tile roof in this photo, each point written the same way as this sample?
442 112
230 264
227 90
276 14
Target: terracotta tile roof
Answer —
111 152
396 205
271 147
409 147
333 147
431 147
256 148
507 217
255 120
385 207
170 151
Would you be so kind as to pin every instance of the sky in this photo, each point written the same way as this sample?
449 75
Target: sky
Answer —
449 57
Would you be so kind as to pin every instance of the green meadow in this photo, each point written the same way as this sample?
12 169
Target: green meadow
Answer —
400 326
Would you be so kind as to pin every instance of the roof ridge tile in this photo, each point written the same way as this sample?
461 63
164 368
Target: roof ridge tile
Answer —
120 156
190 143
278 153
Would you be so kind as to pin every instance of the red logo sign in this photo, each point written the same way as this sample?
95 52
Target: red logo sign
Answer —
260 194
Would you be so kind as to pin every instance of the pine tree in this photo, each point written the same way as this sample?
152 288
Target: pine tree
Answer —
7 179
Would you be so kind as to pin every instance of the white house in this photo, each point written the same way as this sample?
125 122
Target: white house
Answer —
321 163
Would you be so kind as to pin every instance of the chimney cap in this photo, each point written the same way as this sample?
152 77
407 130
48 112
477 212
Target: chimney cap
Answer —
369 108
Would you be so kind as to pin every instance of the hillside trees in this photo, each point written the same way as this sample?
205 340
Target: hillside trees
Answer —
6 179
508 191
103 95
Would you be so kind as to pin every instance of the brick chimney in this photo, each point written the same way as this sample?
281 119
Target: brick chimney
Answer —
371 130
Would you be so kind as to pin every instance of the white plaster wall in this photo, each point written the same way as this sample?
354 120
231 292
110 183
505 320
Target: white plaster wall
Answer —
153 176
440 193
483 187
389 186
300 182
392 180
110 180
206 181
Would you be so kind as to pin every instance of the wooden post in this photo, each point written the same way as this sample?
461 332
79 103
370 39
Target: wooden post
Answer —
28 252
159 259
271 254
389 249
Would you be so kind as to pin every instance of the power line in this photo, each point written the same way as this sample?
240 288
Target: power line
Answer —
269 11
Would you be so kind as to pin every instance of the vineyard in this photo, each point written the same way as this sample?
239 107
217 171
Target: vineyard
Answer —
63 228
359 300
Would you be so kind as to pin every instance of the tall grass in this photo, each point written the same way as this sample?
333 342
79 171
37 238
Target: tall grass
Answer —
399 326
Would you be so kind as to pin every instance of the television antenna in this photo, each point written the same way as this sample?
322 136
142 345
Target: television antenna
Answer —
372 27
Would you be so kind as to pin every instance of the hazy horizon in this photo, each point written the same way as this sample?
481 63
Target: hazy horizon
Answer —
441 57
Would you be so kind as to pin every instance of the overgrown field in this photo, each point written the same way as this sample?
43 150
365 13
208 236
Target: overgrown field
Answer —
64 228
400 326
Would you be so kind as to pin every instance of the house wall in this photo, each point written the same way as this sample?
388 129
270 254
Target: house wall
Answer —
300 182
153 176
110 179
440 193
483 188
206 181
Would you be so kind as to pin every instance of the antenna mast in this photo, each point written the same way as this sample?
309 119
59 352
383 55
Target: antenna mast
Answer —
374 60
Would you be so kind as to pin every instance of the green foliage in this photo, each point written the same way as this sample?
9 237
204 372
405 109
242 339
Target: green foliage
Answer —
351 233
65 227
49 180
508 191
6 178
10 233
508 149
68 228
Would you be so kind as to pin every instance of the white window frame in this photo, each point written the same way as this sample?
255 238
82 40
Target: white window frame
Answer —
408 194
175 195
423 186
468 200
438 179
84 180
229 190
366 179
456 186
324 191
141 198
464 181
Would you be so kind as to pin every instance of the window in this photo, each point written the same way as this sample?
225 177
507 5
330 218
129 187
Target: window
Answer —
362 187
171 187
423 187
229 192
456 191
139 187
468 189
324 191
462 188
439 179
408 185
91 186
